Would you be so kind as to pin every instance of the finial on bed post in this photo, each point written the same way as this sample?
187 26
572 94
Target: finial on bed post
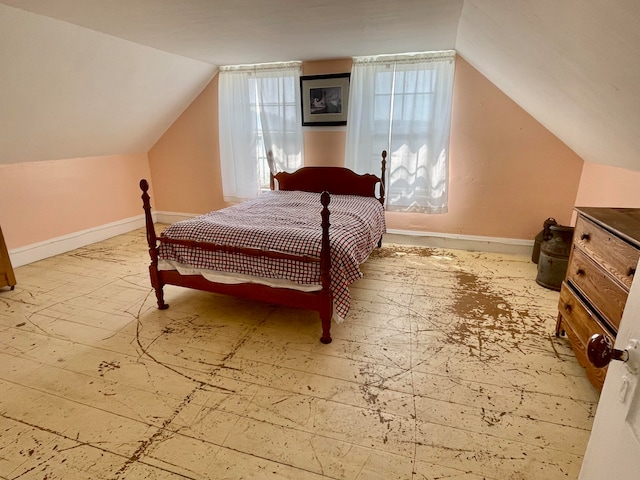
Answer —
325 257
272 168
326 312
146 205
384 170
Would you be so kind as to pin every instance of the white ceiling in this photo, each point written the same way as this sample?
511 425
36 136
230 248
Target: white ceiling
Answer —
253 31
93 77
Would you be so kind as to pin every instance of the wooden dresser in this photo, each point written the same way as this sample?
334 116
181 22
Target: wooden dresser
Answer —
602 263
7 277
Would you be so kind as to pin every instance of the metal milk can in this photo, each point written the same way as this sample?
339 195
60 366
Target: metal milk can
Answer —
554 256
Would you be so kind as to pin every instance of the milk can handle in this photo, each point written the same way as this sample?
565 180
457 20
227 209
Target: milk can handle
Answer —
546 234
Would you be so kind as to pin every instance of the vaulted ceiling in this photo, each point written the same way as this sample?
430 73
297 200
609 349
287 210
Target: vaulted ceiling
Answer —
96 77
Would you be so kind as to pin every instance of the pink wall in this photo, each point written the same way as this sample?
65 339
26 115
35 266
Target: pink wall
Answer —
603 186
44 200
185 162
507 172
324 147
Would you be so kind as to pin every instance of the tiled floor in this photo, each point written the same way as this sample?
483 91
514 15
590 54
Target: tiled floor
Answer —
446 367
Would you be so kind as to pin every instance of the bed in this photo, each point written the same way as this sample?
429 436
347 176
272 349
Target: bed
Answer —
298 245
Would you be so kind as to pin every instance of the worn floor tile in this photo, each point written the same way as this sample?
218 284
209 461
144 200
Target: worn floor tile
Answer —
447 366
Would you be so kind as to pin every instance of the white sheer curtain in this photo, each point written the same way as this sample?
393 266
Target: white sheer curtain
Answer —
402 104
259 111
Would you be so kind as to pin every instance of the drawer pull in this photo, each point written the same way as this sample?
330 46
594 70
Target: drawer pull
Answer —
631 272
585 236
580 272
567 307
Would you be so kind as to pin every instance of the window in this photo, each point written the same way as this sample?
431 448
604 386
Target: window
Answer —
259 111
402 104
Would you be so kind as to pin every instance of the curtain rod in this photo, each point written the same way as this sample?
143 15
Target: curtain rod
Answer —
438 56
261 67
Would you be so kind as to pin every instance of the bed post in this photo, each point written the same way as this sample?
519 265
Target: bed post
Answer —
382 185
153 247
326 308
384 170
272 169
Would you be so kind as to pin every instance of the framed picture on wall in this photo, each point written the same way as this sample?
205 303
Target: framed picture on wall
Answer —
325 99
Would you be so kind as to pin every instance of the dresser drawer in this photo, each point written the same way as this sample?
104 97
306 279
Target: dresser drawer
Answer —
580 324
606 295
615 255
604 256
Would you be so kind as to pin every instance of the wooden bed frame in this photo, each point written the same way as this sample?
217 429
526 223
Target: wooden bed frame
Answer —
325 180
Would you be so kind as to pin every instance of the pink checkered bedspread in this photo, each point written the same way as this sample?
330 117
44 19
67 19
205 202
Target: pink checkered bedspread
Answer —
289 222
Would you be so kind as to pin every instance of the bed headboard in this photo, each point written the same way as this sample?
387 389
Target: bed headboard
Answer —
335 180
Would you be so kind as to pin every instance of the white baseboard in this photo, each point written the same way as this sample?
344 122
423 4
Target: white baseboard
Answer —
172 217
472 243
55 246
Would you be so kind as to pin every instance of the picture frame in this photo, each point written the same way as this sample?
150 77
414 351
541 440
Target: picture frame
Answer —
325 99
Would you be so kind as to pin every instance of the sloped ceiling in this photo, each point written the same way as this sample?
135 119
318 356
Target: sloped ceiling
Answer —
574 65
91 77
69 92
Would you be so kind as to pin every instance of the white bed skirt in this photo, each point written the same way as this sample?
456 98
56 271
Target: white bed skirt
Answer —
235 278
